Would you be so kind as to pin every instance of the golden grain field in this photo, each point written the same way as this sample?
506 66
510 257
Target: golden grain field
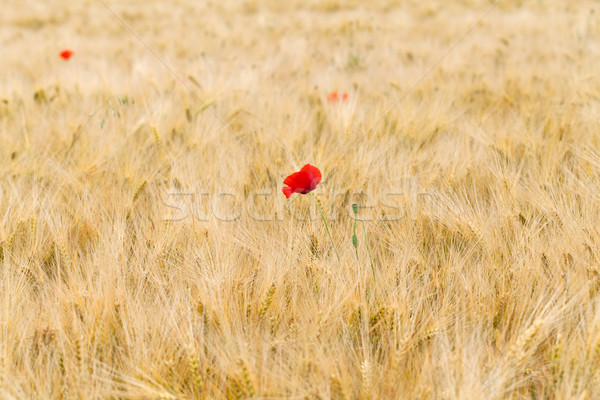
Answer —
147 251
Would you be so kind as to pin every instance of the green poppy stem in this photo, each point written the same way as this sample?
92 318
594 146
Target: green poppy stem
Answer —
368 250
355 238
326 227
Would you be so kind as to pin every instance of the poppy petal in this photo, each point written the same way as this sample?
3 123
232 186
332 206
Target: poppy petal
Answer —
294 180
313 175
287 191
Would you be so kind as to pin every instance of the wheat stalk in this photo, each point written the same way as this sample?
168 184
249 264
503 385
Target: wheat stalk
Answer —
337 391
246 380
518 351
266 303
366 373
196 371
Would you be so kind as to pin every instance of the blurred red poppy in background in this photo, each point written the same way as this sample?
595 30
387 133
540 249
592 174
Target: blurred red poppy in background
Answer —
302 182
335 96
66 54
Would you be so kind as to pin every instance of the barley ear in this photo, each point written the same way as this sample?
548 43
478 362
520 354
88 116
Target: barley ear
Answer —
156 136
246 380
139 190
337 391
266 301
366 382
195 369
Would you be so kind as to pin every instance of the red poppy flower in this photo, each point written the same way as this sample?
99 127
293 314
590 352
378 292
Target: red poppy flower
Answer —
66 54
302 182
335 96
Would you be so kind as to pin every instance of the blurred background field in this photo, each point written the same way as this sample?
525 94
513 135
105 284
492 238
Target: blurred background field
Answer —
146 249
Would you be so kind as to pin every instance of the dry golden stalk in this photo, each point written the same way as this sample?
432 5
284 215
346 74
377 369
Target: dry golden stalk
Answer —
247 380
61 365
156 136
366 373
593 362
273 324
518 352
554 365
11 241
139 190
32 231
429 334
337 391
2 368
266 301
79 353
235 389
64 254
314 246
31 278
196 371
